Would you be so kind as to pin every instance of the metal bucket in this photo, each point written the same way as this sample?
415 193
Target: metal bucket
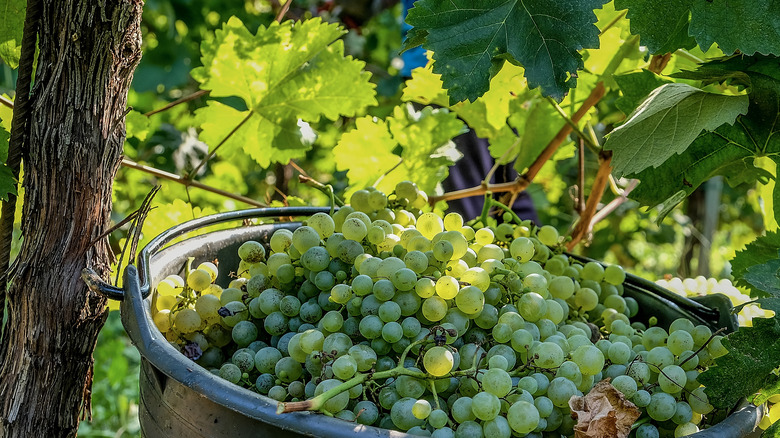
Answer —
180 399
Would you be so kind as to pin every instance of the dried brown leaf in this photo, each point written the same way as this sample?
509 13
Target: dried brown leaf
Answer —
603 413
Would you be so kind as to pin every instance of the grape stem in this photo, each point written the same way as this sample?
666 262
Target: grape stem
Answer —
704 345
317 403
327 189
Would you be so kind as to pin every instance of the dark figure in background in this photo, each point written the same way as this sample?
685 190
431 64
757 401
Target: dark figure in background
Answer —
476 162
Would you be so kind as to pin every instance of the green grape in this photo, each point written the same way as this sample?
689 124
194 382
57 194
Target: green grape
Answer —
362 285
641 398
434 308
406 190
447 287
672 379
685 429
477 277
654 337
561 287
662 406
683 413
470 300
244 333
323 224
589 358
186 321
716 347
619 353
438 361
532 306
660 357
336 403
230 372
699 402
366 412
162 320
389 311
354 229
207 307
639 371
425 288
453 222
549 355
647 430
679 341
421 409
364 356
289 306
341 293
344 367
614 274
315 259
548 235
586 299
266 358
332 321
417 261
371 327
700 334
276 260
523 417
199 279
167 288
303 238
383 289
443 251
592 271
497 381
438 418
430 224
485 406
392 332
625 384
488 252
404 279
461 410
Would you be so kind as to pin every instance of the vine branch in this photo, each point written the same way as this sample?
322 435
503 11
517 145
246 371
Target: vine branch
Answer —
186 182
179 101
523 181
602 178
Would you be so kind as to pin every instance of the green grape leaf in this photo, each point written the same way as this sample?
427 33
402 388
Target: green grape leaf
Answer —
753 353
263 140
760 251
765 278
11 26
767 391
542 124
470 40
666 123
285 73
364 169
734 150
137 125
753 25
661 32
410 145
634 88
428 151
684 23
7 182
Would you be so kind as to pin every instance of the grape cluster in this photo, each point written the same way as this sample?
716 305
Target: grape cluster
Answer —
389 315
700 286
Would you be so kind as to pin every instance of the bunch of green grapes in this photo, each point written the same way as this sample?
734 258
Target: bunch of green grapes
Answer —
700 286
432 326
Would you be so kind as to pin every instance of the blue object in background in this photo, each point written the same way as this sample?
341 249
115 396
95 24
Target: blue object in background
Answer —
415 57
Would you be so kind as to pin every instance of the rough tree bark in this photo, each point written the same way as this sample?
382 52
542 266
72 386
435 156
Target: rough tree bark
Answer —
88 52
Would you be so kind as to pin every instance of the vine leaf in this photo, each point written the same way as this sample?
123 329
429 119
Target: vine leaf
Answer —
734 151
660 32
470 41
5 138
757 252
762 17
417 142
753 353
765 277
635 87
721 22
11 27
286 75
137 125
666 123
